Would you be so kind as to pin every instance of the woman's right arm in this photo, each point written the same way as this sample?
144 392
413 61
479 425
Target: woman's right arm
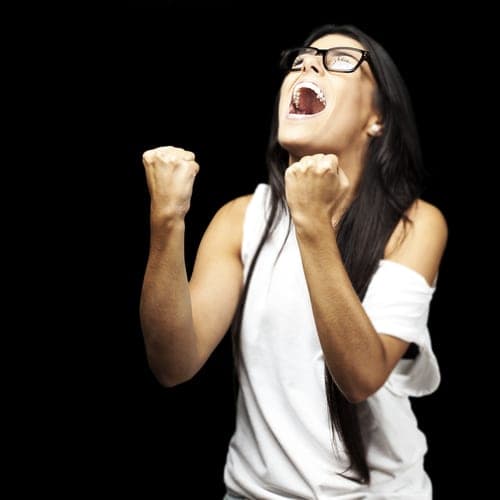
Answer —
183 321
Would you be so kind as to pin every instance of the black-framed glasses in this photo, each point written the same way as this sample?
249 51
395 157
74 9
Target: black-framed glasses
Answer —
338 59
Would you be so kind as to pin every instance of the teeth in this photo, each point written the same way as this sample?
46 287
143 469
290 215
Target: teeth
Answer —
309 85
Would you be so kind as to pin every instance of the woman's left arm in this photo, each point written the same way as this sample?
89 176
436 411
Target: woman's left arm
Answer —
358 358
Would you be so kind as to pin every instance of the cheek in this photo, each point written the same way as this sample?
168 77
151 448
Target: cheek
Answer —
351 106
348 96
282 100
284 92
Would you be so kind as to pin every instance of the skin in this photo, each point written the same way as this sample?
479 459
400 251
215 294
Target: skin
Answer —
348 120
181 323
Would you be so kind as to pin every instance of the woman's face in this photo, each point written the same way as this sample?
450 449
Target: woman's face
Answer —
335 114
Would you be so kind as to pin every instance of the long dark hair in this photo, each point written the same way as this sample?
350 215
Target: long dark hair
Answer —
390 182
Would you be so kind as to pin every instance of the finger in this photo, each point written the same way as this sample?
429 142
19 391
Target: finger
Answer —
191 166
169 156
334 161
293 170
147 157
305 163
195 166
179 153
325 164
318 157
187 155
167 149
175 152
180 156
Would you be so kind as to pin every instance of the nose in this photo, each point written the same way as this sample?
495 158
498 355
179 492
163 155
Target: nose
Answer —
313 63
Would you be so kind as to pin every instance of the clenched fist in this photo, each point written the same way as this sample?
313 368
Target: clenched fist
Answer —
170 174
316 188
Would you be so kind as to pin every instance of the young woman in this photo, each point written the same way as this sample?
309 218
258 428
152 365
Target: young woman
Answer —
325 273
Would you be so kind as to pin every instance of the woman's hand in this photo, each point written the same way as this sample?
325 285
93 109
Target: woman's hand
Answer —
317 190
170 174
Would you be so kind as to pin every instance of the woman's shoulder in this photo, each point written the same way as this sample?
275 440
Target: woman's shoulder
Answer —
236 208
422 210
233 212
238 204
419 242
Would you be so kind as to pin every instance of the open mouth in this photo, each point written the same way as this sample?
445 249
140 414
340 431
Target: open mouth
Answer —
307 99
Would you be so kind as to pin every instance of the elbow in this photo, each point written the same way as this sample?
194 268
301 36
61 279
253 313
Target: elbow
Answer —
168 380
169 373
169 376
360 392
355 397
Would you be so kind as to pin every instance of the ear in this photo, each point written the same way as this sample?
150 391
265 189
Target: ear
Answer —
375 128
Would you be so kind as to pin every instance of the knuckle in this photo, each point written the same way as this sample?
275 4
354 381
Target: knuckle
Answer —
146 156
301 164
167 151
324 162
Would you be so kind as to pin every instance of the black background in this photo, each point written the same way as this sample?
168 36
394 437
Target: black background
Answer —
204 78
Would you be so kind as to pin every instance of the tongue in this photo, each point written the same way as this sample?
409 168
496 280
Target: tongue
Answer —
308 103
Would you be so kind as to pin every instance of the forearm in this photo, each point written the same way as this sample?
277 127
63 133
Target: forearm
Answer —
352 348
166 315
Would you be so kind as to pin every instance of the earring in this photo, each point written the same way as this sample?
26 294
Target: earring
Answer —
375 128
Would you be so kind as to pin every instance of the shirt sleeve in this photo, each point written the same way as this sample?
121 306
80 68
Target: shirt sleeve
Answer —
397 302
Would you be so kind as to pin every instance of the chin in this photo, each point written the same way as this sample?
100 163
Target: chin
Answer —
302 133
299 150
299 143
294 135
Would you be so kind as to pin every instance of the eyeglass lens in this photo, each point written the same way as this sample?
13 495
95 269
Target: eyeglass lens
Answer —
336 59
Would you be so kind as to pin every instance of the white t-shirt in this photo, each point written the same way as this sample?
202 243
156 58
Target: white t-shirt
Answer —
282 445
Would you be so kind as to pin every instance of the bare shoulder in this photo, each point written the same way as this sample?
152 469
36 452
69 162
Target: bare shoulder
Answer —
226 227
237 206
421 243
233 212
427 218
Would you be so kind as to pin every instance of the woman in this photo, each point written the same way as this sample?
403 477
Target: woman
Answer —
326 274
